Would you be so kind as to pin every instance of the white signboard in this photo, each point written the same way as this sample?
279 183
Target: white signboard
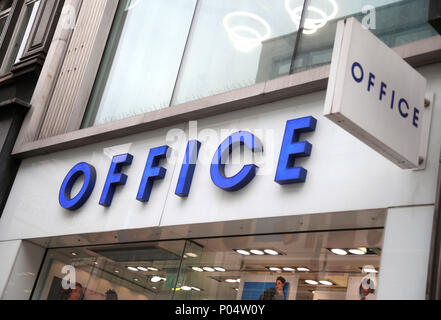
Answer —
378 97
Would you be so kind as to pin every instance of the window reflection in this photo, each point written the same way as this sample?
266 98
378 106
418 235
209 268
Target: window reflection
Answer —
163 53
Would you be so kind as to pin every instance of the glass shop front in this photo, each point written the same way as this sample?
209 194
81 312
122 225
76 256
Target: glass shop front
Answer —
316 265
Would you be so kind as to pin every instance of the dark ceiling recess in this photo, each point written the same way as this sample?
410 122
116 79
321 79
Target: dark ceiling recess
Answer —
435 14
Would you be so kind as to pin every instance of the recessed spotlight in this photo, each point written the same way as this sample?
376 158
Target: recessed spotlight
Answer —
208 269
96 263
288 269
312 282
326 283
195 289
132 269
339 252
358 251
142 269
243 252
186 288
153 269
257 252
303 269
219 269
275 269
74 254
135 279
192 255
231 280
155 279
116 271
271 252
197 269
369 269
154 288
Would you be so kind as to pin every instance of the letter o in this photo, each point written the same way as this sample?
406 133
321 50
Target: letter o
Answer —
360 79
75 203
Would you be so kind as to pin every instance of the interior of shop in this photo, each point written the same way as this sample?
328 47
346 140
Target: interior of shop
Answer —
329 265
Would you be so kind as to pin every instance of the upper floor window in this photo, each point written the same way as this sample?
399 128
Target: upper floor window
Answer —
167 52
16 21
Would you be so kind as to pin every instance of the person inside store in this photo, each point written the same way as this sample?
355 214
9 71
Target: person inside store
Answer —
276 293
111 295
76 293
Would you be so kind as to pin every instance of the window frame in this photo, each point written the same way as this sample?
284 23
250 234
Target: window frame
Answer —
12 27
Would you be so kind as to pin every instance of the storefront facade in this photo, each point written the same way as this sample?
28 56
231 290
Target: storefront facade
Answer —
118 205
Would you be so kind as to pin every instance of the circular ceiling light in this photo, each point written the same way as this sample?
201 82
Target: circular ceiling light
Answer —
245 38
288 269
311 25
231 280
243 252
326 283
339 252
358 251
369 269
153 269
271 252
208 269
312 282
198 269
155 279
219 269
275 269
257 252
192 255
132 269
143 269
186 288
303 269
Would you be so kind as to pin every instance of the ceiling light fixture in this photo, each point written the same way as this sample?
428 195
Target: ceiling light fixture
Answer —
257 252
243 252
358 251
339 252
153 269
245 38
208 269
143 269
219 269
303 269
186 288
275 269
197 269
288 269
326 283
312 282
271 252
311 25
192 255
132 269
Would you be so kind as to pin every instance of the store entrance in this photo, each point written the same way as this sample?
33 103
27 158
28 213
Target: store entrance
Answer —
327 265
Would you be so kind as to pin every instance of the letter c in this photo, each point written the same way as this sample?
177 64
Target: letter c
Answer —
248 172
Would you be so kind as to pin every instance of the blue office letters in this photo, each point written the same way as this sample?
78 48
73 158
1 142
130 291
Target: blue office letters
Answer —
287 173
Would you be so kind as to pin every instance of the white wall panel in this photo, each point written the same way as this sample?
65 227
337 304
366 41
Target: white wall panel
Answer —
344 175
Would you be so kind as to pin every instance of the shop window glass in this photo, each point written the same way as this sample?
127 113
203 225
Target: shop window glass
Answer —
163 53
396 22
143 55
236 44
301 266
131 272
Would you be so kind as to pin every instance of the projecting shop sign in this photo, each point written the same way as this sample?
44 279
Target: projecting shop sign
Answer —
378 97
